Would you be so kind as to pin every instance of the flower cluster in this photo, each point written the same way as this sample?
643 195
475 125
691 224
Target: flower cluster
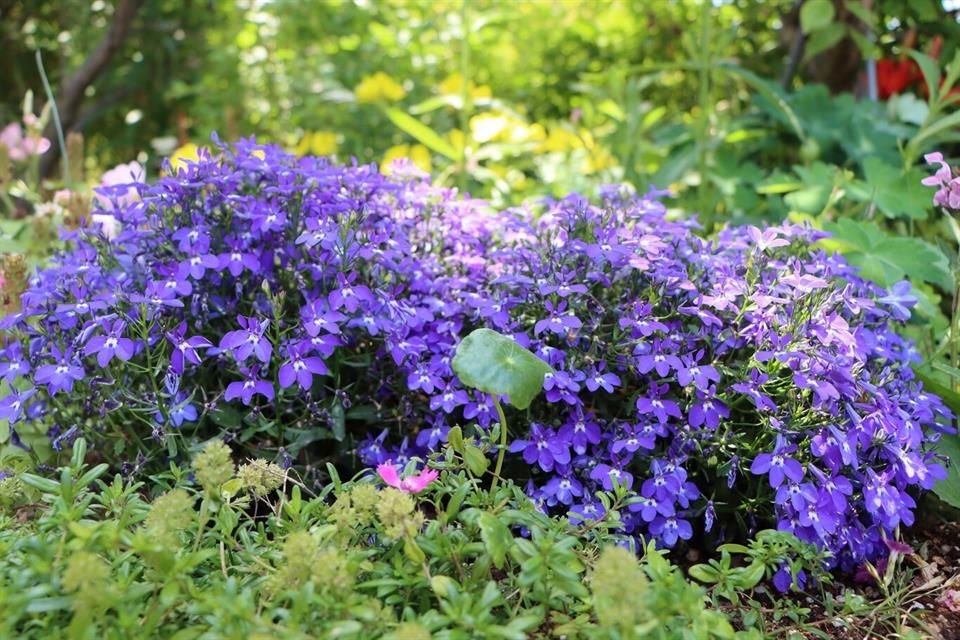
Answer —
291 301
747 378
947 184
724 384
21 146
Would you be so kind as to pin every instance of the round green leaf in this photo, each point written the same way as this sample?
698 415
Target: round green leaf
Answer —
816 15
498 365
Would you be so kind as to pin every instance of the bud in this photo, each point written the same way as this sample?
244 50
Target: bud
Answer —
14 281
77 210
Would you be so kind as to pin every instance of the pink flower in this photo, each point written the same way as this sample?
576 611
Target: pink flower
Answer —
130 174
19 147
411 484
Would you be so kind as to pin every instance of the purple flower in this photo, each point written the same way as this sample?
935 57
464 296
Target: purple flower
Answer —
112 345
559 322
671 529
247 388
900 299
61 375
348 295
778 465
249 340
661 407
449 400
699 376
657 360
300 368
545 448
237 260
185 349
608 475
12 405
606 381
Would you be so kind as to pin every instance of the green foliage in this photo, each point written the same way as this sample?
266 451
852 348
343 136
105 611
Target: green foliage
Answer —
100 561
493 363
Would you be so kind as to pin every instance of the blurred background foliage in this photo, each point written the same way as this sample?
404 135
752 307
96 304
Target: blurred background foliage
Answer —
747 110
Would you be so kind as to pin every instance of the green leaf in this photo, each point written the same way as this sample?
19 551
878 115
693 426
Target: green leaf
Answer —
455 438
46 485
496 537
818 180
823 39
865 16
496 364
704 573
771 92
949 489
476 461
897 194
889 259
413 550
929 134
751 575
225 416
931 73
338 421
816 15
423 134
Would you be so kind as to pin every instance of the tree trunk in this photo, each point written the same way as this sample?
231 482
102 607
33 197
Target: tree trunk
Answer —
73 88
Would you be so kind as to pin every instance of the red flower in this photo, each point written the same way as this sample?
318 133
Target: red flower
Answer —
893 76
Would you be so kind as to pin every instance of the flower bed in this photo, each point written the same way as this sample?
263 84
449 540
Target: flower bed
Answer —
299 306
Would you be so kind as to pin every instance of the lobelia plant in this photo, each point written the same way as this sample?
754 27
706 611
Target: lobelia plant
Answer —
290 305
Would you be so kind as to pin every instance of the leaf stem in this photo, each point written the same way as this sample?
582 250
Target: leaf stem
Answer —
56 118
503 444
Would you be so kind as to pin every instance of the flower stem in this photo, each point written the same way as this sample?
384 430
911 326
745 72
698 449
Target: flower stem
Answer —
503 444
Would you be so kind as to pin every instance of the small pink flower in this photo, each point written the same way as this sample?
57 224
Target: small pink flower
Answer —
950 600
411 484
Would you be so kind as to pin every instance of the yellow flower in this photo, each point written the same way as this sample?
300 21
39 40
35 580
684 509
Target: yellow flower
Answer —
486 127
561 139
378 88
416 153
598 160
452 85
318 143
187 153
